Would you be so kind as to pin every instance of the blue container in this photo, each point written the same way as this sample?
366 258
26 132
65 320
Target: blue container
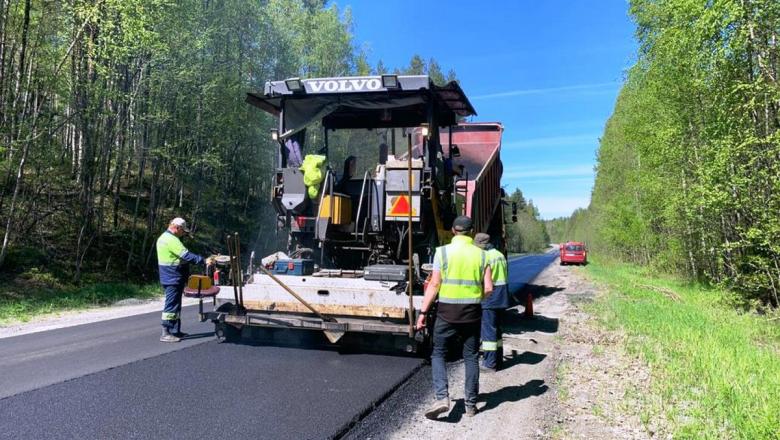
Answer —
296 266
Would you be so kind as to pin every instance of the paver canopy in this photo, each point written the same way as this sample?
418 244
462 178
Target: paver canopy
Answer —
362 102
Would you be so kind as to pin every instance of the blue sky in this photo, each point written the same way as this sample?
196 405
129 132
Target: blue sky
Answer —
548 70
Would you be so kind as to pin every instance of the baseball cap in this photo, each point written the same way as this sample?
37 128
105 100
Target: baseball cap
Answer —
481 239
180 222
462 223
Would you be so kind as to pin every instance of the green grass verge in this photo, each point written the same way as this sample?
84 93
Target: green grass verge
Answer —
20 302
716 369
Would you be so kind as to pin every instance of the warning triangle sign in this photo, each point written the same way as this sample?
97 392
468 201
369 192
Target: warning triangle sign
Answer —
400 206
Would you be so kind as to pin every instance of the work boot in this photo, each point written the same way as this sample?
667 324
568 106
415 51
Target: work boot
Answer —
167 336
471 411
485 369
439 406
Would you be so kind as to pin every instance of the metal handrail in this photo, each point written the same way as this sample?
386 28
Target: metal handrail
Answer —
463 190
328 178
360 203
322 195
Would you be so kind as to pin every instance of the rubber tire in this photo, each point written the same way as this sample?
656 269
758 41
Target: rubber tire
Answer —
226 333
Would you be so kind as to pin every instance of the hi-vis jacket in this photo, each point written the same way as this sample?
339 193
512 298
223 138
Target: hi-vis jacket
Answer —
173 259
461 276
498 271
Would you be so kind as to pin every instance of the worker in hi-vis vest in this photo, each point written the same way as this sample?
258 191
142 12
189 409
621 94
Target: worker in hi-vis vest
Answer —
493 307
461 279
173 261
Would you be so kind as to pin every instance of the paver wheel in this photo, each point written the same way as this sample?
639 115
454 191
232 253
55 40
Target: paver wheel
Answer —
226 332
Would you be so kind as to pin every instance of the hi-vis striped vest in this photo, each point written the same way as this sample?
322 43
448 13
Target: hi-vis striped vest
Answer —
499 299
462 270
172 259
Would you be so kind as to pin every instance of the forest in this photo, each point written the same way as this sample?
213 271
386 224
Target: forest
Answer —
688 164
528 234
118 115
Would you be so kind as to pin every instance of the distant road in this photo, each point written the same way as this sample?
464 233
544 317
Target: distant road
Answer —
113 379
522 270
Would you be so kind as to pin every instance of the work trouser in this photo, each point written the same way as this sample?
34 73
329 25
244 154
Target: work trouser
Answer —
468 336
172 309
492 346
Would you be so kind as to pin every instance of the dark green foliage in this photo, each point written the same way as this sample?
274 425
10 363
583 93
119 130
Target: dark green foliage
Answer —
688 165
417 66
118 115
529 233
573 228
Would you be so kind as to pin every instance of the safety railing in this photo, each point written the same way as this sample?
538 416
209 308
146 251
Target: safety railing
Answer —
325 186
360 204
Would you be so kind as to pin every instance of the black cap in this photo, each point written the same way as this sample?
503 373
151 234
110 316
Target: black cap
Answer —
462 223
481 239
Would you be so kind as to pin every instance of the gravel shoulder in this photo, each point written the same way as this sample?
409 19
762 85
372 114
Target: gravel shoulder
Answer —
564 378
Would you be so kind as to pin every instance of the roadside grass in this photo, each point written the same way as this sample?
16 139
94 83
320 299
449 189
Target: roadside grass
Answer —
563 390
33 284
716 369
21 302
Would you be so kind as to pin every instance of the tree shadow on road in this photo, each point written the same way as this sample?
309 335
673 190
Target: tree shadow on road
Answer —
513 393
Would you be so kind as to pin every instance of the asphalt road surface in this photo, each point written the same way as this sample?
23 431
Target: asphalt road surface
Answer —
522 270
113 379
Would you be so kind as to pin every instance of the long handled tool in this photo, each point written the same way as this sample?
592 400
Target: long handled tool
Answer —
235 271
232 275
237 252
332 335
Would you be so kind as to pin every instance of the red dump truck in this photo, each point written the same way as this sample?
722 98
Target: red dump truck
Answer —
361 239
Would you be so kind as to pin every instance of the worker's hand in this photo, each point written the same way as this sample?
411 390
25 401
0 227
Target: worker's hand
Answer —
420 322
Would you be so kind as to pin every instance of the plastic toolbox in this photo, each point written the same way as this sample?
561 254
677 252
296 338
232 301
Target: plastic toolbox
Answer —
296 266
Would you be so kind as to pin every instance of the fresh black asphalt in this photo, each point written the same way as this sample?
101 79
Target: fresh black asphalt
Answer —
35 360
522 270
112 379
210 391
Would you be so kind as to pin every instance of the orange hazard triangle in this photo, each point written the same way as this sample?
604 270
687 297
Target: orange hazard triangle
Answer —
400 206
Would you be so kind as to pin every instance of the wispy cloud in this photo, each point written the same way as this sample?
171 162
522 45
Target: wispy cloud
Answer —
568 124
573 171
585 139
580 181
607 86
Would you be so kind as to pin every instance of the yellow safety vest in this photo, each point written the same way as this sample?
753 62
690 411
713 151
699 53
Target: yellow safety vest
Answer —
462 271
497 263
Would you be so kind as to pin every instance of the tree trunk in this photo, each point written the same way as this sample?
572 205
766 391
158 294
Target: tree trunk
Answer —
9 221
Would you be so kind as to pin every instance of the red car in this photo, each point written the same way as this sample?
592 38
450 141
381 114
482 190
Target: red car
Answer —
573 252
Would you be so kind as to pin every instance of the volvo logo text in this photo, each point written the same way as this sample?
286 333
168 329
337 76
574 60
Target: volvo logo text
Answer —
344 85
